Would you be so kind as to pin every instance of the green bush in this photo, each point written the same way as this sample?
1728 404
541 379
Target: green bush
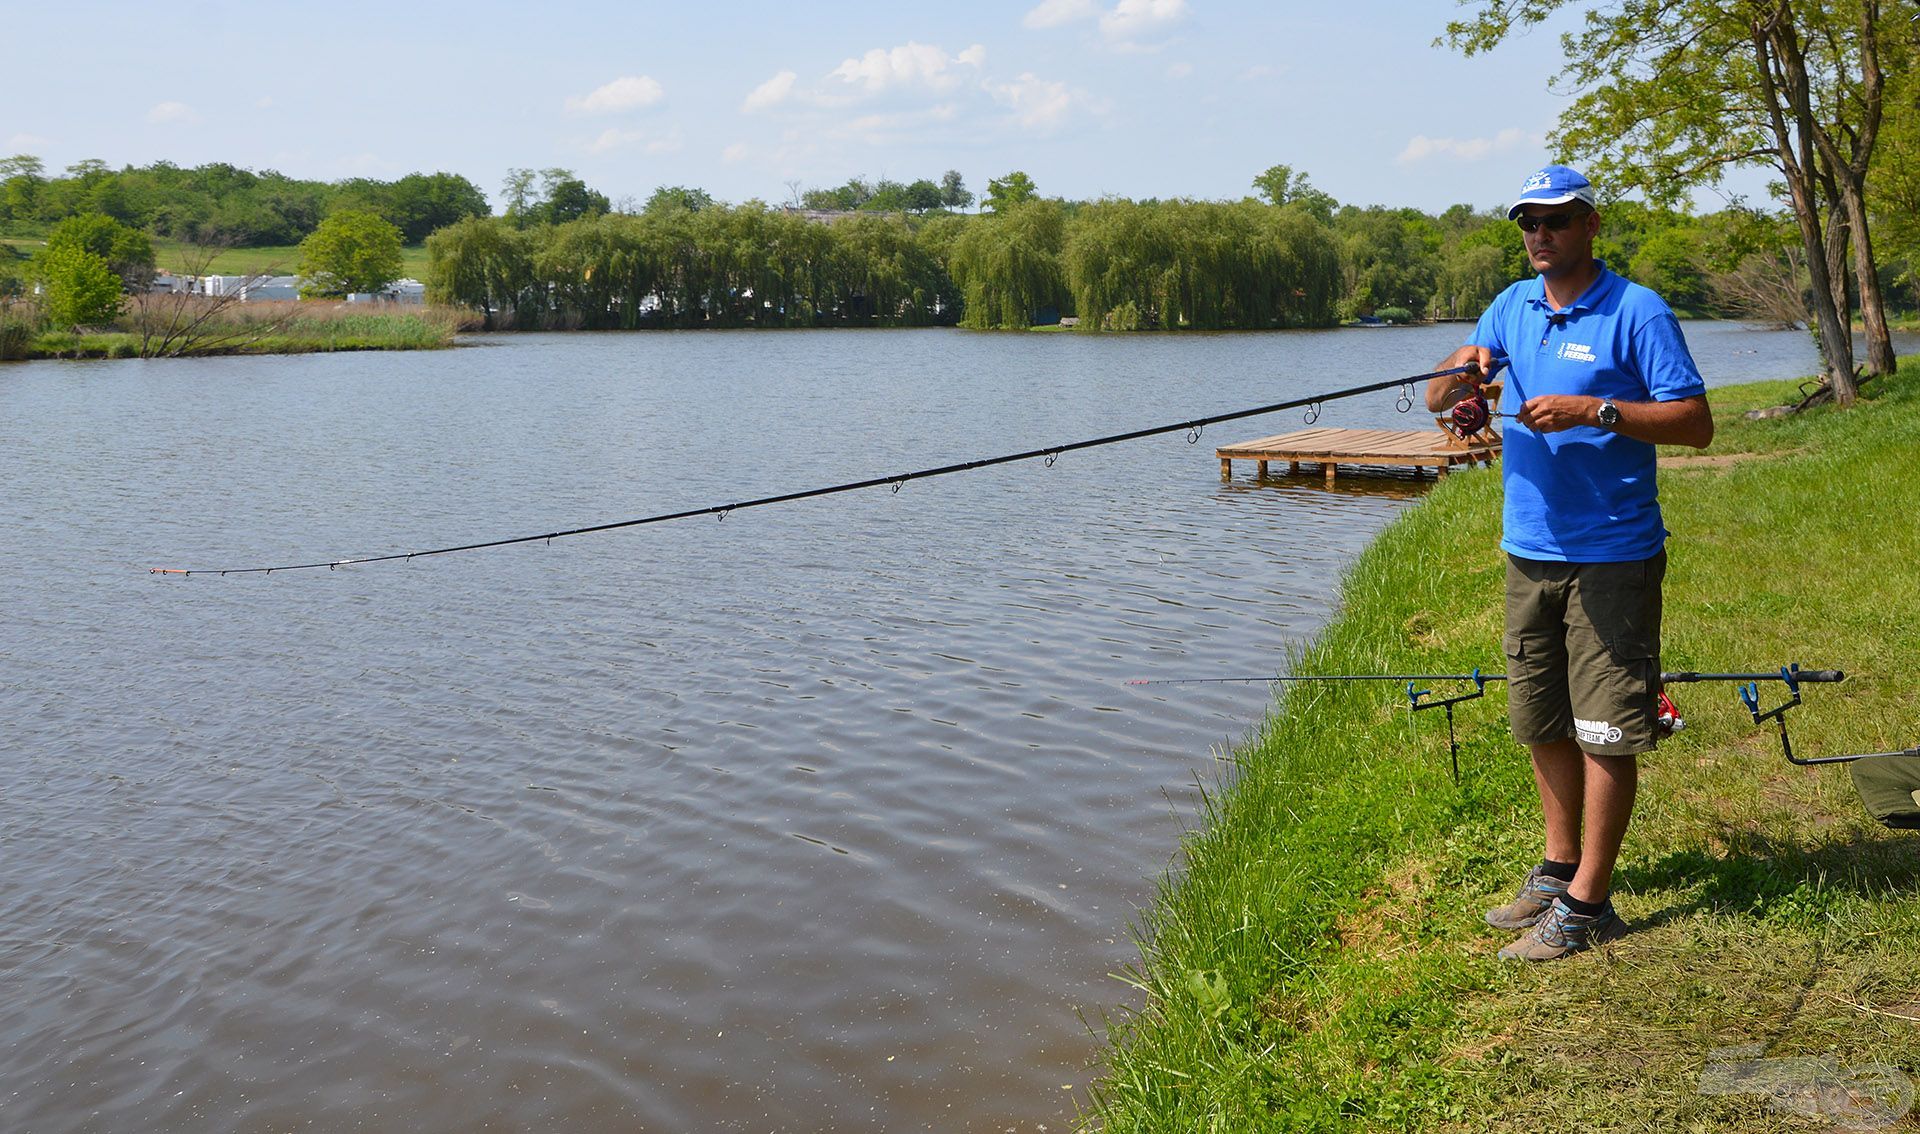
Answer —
1394 315
82 290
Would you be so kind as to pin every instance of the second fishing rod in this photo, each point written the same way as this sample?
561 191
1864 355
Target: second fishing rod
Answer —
1791 676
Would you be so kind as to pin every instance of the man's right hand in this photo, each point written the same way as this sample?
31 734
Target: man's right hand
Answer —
1443 392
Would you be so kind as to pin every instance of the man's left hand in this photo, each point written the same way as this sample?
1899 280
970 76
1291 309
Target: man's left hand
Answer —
1551 413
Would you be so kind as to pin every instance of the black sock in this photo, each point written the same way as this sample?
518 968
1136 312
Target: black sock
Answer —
1564 871
1584 909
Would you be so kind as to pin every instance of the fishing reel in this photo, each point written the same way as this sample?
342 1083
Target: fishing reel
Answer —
1470 414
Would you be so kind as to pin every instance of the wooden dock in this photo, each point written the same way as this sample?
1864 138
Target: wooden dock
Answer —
1422 449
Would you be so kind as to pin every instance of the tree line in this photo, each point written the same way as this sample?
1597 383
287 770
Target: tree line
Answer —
563 255
224 204
1290 257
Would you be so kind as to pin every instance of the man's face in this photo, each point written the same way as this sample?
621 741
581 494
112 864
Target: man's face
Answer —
1553 251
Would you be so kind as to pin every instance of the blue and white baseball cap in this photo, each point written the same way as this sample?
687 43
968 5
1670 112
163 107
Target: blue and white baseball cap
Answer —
1554 185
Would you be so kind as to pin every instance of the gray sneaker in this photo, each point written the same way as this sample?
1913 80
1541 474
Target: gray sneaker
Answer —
1536 894
1562 932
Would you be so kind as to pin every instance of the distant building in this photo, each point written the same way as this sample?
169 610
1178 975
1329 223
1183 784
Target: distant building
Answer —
399 291
259 289
250 289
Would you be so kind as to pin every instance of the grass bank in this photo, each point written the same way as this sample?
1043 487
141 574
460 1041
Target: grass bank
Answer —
1318 960
290 327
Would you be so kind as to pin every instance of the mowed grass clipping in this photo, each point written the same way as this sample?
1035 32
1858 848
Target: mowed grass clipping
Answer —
1319 960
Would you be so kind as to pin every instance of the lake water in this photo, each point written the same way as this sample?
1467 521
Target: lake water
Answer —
834 815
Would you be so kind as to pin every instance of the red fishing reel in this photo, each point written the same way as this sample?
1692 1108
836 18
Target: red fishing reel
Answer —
1668 717
1470 414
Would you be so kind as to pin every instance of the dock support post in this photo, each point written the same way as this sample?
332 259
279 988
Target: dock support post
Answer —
1331 468
1226 468
1263 470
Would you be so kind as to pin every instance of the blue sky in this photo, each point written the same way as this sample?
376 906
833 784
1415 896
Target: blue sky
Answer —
1137 98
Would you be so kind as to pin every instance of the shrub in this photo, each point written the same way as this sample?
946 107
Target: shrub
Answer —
81 289
1394 315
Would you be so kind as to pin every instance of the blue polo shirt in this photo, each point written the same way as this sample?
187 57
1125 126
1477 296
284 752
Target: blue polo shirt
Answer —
1586 494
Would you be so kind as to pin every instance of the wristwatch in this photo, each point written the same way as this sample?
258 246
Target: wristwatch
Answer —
1609 413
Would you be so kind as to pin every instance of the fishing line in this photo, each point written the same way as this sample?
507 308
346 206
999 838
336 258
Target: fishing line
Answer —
1049 453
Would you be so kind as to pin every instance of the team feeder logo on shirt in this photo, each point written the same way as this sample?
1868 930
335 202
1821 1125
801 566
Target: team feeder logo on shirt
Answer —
1596 732
1577 352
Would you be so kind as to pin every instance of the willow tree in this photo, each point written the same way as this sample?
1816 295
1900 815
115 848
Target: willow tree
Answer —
894 277
1116 255
1007 266
1672 93
486 264
1303 264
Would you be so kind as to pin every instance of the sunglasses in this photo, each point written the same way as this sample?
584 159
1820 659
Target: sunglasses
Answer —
1554 222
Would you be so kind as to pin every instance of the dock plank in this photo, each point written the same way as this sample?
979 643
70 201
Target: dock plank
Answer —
1330 448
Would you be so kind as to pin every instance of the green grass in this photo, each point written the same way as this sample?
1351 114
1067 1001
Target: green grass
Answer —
1320 962
174 255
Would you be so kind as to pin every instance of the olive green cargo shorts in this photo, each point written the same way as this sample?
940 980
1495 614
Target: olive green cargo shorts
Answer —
1583 653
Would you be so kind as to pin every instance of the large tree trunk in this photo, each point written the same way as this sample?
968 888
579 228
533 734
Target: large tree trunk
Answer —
1834 245
1873 308
1776 44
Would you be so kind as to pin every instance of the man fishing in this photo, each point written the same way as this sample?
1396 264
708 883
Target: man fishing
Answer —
1601 374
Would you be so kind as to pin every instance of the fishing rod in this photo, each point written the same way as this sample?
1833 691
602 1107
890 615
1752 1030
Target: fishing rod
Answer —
1668 715
1049 453
1792 674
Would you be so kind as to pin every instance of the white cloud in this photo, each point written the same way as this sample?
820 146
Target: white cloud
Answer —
1421 148
629 92
912 64
27 142
734 153
1179 70
1053 13
172 112
612 139
1122 25
1035 102
1131 17
770 93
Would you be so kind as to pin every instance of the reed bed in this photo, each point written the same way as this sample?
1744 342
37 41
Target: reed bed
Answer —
189 326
